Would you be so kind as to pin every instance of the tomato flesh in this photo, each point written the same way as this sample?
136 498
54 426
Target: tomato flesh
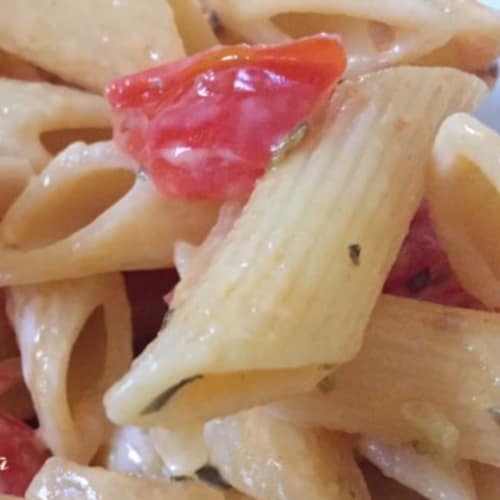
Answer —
21 455
422 270
206 127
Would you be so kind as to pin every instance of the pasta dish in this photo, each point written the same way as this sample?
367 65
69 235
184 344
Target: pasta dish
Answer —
249 250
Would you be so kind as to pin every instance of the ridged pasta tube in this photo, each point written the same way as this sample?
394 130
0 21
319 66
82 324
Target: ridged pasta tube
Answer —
292 287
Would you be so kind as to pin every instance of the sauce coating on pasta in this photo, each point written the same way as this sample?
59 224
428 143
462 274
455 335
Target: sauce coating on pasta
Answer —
207 127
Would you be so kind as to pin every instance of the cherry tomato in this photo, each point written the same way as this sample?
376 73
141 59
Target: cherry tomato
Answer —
206 127
423 271
21 455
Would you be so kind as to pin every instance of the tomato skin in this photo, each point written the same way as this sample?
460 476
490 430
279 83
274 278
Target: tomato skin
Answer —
205 127
21 455
422 270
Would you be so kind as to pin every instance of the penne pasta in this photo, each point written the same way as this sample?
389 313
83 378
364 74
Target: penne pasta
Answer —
476 43
80 216
341 207
193 26
183 450
487 481
65 480
29 109
427 374
375 35
459 34
432 478
65 39
83 327
270 459
130 450
464 199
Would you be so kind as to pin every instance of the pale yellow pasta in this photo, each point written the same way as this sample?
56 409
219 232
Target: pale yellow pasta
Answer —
476 42
427 374
464 198
28 109
463 34
75 339
130 450
82 215
91 42
433 478
293 285
191 261
182 450
270 459
64 480
487 480
193 26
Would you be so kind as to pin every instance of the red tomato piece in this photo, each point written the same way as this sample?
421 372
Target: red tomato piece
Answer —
422 270
21 455
206 127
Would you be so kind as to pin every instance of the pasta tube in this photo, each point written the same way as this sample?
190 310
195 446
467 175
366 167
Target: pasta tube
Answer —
271 459
464 200
432 478
183 450
461 34
75 339
290 290
29 109
65 480
91 42
195 31
426 374
476 42
130 450
82 214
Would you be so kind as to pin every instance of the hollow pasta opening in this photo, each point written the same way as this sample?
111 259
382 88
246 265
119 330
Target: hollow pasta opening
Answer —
55 141
8 345
87 364
359 35
72 206
480 196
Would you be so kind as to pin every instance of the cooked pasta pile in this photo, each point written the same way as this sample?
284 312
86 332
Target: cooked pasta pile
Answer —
308 318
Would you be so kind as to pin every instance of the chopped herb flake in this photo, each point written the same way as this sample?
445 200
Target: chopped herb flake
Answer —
290 142
329 367
211 475
162 399
327 384
355 254
420 447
